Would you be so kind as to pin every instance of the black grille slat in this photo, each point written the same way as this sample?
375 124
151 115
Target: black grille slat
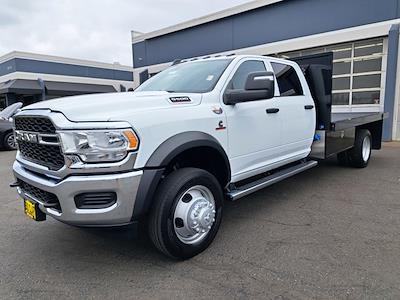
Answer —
50 156
95 200
49 199
46 155
34 124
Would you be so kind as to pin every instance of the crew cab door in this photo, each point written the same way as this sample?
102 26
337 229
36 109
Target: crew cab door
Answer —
297 110
254 127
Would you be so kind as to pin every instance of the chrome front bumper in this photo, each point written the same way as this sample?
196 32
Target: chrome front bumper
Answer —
125 185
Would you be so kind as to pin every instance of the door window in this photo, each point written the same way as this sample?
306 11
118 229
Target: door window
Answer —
239 79
288 81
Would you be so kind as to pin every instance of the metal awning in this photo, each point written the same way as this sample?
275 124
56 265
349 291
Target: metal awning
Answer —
58 88
20 86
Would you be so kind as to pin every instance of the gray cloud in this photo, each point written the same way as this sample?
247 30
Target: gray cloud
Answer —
92 29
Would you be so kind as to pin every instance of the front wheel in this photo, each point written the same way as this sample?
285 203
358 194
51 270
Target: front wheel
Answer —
187 213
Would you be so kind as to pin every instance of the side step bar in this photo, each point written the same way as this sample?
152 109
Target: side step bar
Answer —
270 180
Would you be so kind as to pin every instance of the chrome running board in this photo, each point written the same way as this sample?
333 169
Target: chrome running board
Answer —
270 179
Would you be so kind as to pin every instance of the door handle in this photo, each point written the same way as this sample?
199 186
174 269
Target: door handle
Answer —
272 110
308 106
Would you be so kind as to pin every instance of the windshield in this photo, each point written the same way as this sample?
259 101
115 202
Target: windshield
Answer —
9 111
190 77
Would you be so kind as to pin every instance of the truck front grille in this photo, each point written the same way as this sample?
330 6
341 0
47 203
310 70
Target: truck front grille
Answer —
48 199
34 124
45 155
50 156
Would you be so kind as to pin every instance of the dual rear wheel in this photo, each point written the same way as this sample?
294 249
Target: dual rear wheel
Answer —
360 154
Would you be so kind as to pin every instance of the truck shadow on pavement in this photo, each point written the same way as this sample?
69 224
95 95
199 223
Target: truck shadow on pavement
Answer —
268 206
132 242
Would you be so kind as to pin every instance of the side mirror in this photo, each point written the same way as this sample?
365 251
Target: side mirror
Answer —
259 86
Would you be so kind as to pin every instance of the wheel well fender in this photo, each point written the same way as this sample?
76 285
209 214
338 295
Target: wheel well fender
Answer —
375 128
175 149
181 142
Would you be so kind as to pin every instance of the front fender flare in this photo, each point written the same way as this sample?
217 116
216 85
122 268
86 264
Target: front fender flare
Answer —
162 156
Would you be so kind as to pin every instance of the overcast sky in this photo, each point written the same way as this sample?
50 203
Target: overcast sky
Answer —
92 29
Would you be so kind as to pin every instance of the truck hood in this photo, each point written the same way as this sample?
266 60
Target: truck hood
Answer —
107 107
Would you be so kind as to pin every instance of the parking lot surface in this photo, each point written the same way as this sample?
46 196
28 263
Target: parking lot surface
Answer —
329 233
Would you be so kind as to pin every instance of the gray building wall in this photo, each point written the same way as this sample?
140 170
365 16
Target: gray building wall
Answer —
276 22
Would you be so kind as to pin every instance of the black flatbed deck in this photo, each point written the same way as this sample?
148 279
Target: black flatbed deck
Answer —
341 121
335 132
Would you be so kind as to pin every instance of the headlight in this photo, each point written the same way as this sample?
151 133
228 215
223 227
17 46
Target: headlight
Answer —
99 145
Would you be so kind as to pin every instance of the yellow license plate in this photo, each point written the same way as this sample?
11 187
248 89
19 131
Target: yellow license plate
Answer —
30 209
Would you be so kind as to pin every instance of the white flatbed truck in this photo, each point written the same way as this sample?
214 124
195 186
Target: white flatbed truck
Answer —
194 135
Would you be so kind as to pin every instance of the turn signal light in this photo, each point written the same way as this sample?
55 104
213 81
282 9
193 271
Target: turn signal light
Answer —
132 139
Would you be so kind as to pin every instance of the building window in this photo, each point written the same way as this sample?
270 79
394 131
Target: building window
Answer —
3 102
153 74
288 81
357 71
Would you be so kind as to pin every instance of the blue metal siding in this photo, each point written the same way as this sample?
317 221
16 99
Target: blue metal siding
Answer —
139 54
391 74
7 67
209 38
277 22
297 18
36 66
45 67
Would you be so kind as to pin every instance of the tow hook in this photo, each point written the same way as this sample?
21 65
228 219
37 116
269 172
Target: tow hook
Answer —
14 184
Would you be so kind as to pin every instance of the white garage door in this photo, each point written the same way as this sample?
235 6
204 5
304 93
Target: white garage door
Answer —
358 74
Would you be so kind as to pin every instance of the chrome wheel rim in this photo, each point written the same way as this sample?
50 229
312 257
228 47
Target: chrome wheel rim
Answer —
194 215
366 148
11 141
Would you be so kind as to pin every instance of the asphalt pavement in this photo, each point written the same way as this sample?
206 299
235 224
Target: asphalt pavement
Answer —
329 233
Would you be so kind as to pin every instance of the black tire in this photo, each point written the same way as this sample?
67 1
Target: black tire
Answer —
356 157
6 141
161 226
